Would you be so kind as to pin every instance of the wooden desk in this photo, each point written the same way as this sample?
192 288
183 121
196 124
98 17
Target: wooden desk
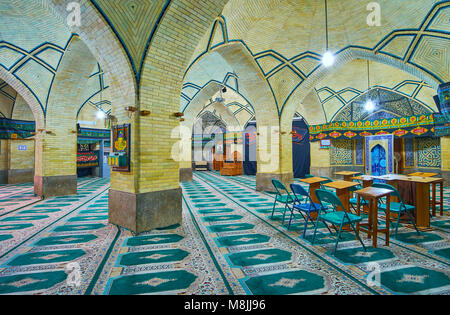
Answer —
419 174
347 175
367 180
434 202
421 192
314 184
342 191
372 195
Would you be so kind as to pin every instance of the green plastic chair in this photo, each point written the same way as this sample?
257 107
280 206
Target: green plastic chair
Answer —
282 196
397 207
335 217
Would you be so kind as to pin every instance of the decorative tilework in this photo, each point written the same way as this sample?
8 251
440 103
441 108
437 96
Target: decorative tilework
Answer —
409 152
359 152
342 152
428 152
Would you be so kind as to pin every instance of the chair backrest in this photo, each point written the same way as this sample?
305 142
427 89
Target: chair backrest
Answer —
279 187
329 197
355 188
395 192
309 176
329 180
299 191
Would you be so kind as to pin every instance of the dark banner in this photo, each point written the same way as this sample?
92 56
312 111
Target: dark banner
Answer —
16 129
249 163
94 133
301 148
88 159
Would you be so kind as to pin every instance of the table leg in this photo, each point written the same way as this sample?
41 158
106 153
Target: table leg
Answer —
358 212
367 183
348 178
388 219
422 205
312 193
374 211
433 202
370 219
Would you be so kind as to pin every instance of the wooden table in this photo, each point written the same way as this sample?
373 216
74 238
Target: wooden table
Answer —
434 202
347 175
314 184
372 195
367 180
343 192
420 174
421 192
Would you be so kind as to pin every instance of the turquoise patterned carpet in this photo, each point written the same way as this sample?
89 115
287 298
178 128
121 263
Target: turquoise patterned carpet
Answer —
228 244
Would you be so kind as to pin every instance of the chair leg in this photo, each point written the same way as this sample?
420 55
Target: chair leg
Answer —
315 232
306 226
398 223
284 213
274 204
290 219
338 238
326 227
359 238
414 223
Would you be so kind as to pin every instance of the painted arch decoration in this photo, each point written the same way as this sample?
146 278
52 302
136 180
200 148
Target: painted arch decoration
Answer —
404 127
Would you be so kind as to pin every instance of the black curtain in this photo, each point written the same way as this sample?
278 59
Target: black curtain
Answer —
249 163
301 149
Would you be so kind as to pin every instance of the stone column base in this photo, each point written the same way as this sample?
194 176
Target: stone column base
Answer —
147 211
264 181
53 186
186 175
20 176
3 177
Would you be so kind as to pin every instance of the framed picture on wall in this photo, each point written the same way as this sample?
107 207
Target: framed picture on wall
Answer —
121 148
325 144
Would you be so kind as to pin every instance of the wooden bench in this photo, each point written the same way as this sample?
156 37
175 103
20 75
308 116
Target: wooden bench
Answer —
201 166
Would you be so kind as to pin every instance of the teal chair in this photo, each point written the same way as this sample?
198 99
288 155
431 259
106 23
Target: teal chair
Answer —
309 176
328 180
282 196
335 217
398 208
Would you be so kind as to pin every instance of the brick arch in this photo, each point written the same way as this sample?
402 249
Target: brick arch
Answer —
191 114
26 94
55 146
255 88
106 48
295 102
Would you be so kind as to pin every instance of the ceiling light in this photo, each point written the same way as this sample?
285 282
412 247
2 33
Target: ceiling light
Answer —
328 59
370 106
101 114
